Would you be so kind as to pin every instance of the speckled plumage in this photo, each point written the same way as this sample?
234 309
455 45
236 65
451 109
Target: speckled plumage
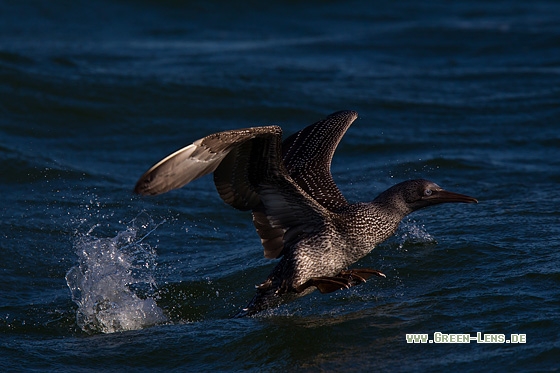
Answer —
298 211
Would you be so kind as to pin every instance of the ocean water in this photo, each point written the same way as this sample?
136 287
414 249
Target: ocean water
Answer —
93 278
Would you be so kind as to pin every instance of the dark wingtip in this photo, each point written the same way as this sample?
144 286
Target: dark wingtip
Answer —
142 186
351 113
138 190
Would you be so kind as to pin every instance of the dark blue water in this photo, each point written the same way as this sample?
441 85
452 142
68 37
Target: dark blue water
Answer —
94 278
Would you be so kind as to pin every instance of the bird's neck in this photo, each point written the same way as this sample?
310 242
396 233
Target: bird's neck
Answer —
391 203
371 223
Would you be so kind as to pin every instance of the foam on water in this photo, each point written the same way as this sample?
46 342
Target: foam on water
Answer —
109 277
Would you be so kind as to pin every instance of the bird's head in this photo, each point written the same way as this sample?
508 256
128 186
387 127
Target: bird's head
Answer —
413 195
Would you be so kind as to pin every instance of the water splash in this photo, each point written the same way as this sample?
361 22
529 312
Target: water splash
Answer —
413 233
113 283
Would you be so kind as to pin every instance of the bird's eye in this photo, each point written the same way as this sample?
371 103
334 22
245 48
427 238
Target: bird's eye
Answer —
427 192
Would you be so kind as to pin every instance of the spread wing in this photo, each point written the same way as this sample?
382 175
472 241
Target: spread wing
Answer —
249 174
228 154
308 155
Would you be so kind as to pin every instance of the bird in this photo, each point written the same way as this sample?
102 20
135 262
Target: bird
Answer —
299 213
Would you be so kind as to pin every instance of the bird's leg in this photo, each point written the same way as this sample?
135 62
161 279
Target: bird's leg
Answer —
344 280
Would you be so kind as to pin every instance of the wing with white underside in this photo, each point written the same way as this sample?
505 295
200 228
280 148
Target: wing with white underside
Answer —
202 157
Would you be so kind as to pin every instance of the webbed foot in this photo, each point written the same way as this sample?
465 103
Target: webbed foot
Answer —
344 280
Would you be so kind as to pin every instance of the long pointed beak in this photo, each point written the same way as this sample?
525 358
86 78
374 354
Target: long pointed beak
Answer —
443 196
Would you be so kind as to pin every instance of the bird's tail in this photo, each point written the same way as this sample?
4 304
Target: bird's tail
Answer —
260 302
268 295
250 310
